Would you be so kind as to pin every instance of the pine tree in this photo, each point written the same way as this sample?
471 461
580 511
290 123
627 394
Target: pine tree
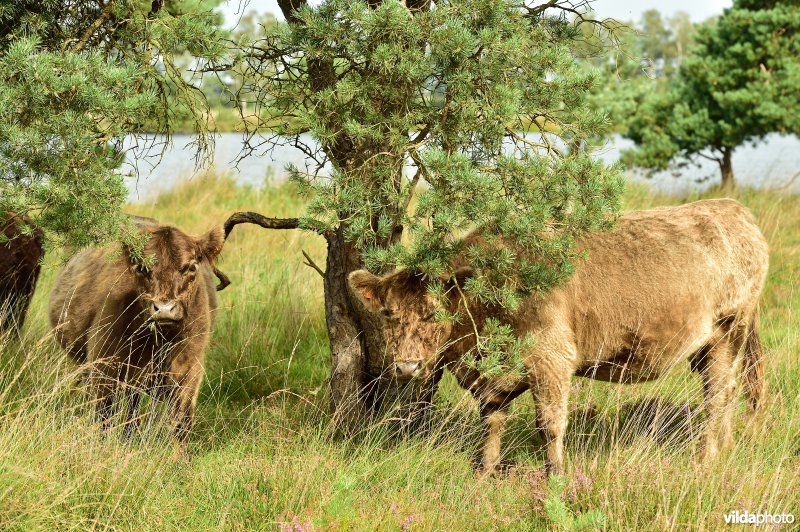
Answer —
77 77
740 83
434 119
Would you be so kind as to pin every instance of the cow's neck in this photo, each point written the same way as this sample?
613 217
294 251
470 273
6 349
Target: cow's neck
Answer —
472 318
463 340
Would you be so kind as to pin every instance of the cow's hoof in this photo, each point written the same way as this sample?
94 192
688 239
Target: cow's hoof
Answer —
500 469
180 455
707 455
485 473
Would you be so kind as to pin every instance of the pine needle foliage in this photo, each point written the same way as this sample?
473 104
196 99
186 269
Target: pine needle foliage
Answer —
76 78
435 121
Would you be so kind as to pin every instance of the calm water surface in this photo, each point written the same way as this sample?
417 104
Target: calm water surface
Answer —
770 164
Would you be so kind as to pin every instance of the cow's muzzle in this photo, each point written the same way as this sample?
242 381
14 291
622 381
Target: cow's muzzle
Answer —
166 312
406 371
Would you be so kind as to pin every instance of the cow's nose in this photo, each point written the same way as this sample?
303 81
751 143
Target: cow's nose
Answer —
166 310
407 370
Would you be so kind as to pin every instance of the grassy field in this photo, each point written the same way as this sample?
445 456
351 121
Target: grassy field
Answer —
262 456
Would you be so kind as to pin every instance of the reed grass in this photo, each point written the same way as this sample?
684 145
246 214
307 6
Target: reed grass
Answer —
262 456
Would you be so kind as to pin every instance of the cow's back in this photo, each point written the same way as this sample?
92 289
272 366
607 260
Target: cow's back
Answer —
660 281
89 282
653 289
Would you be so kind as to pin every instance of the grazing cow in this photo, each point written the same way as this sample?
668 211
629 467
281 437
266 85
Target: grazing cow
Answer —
664 286
21 254
141 324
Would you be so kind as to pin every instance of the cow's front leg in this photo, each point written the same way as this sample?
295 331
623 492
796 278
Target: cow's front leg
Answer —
493 419
133 414
184 378
103 385
550 383
423 417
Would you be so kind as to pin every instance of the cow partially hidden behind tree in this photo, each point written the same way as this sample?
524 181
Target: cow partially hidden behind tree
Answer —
666 285
141 324
21 253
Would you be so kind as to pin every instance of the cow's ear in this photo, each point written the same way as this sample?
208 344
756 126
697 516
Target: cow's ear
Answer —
367 289
211 243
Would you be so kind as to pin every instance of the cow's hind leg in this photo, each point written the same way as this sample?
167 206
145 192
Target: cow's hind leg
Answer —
738 338
718 371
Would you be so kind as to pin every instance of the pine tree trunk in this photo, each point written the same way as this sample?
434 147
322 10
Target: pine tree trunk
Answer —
726 167
353 374
348 354
352 384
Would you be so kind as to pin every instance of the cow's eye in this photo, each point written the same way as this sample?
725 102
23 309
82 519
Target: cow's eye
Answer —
386 312
192 268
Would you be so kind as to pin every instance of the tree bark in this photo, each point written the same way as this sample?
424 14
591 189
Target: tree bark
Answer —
726 167
348 352
350 377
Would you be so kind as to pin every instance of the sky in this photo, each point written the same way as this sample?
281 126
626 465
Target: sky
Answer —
627 10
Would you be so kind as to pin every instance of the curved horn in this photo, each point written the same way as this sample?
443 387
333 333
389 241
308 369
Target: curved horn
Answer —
224 280
246 217
143 222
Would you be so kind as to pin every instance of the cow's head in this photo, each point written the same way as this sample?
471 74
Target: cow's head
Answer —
400 305
170 273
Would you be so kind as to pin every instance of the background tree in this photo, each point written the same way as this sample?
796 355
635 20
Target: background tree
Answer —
740 83
419 113
221 89
655 36
631 61
76 78
682 36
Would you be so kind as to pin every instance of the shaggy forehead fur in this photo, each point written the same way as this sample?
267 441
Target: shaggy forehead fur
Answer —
172 248
407 291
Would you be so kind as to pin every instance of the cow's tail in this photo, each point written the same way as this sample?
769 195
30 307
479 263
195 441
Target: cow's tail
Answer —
753 367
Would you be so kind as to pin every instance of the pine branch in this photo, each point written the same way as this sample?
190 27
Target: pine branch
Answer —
311 264
289 9
261 220
107 9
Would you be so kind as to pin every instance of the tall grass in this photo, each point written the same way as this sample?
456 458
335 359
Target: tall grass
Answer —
262 456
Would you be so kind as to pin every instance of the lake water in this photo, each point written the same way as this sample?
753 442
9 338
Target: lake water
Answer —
774 163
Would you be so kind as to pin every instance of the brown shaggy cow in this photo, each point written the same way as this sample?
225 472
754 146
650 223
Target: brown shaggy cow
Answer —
665 285
141 324
20 261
